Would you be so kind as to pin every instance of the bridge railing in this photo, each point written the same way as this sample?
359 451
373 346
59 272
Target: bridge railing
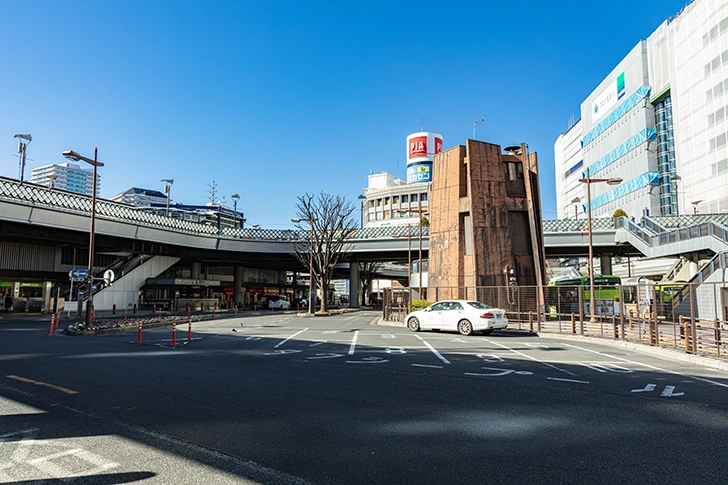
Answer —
37 195
662 235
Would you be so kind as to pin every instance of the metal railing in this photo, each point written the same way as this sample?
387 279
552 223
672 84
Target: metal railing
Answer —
638 313
39 196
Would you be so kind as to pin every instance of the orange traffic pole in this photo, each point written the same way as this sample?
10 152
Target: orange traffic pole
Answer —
174 334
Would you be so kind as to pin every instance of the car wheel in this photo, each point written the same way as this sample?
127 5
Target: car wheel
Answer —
413 324
487 332
464 327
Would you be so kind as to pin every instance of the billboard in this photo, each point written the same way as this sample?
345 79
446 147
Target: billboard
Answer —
419 172
422 147
608 99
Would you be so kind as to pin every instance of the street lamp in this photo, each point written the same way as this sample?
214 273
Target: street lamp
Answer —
409 266
421 212
22 146
576 201
676 178
167 190
311 293
235 198
696 203
588 181
71 155
362 198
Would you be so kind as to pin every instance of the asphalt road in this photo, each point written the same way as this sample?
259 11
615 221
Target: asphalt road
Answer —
277 398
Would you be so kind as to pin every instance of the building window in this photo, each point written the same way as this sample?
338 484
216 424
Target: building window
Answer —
405 199
379 202
386 201
395 199
386 215
371 203
414 197
423 197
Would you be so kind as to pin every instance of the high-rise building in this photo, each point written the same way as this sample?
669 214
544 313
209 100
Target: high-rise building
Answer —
658 121
67 176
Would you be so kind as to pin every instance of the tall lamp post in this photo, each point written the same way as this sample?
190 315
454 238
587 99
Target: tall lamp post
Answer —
589 181
676 178
236 198
576 201
311 294
361 198
167 190
22 147
696 203
71 155
420 212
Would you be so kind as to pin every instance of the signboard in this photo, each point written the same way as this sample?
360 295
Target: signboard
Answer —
423 146
608 99
78 274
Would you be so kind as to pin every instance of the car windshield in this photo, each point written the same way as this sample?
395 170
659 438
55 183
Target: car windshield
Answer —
478 305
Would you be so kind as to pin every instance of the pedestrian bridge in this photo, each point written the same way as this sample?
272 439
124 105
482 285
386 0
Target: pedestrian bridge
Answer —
24 205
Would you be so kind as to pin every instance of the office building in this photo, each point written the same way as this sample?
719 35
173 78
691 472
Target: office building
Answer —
140 197
67 176
389 201
658 122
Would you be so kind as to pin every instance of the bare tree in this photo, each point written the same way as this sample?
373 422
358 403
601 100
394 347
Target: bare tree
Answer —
326 225
367 270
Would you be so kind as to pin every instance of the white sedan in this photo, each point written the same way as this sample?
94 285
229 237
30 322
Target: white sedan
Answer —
464 316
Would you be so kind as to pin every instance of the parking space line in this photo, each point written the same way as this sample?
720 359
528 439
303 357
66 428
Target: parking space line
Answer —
648 366
532 358
289 338
428 366
566 380
353 343
439 356
40 383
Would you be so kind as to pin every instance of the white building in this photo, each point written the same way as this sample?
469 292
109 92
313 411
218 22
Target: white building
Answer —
389 201
569 160
658 122
140 197
67 176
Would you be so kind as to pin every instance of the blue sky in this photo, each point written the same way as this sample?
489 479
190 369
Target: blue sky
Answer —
271 99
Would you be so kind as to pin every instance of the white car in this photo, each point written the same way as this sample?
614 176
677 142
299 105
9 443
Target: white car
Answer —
462 315
279 302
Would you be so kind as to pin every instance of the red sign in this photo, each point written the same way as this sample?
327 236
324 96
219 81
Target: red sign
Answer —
418 147
438 145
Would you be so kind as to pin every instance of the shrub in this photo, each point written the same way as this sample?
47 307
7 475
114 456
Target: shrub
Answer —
420 304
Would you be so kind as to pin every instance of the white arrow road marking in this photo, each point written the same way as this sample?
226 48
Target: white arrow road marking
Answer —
668 392
353 343
648 388
532 358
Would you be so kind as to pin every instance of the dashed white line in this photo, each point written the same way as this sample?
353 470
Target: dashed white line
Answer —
429 366
439 356
353 343
289 338
567 380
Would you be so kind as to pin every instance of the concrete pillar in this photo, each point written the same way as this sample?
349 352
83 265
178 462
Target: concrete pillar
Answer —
353 284
237 284
195 271
693 268
605 261
47 296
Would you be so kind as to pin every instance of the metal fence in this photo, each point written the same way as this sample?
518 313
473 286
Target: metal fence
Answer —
692 318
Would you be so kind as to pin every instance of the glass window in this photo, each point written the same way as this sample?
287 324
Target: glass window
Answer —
414 197
379 202
386 201
386 215
405 198
395 199
437 307
371 203
456 306
423 197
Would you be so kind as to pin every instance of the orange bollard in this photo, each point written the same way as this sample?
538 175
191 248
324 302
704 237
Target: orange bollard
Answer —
189 331
53 322
139 335
174 334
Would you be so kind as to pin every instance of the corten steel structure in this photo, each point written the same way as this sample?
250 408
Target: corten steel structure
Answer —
484 216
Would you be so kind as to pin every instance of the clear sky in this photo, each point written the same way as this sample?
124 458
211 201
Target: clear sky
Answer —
270 99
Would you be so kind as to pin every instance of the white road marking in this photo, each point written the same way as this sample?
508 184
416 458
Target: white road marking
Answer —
648 388
432 349
500 372
368 360
532 358
668 392
567 380
427 365
603 368
353 343
648 366
289 338
325 356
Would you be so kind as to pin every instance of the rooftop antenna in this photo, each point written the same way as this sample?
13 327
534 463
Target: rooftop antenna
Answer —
422 122
475 124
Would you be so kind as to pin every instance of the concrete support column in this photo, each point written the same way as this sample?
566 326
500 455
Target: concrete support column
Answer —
195 271
693 268
237 284
47 296
605 261
353 284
